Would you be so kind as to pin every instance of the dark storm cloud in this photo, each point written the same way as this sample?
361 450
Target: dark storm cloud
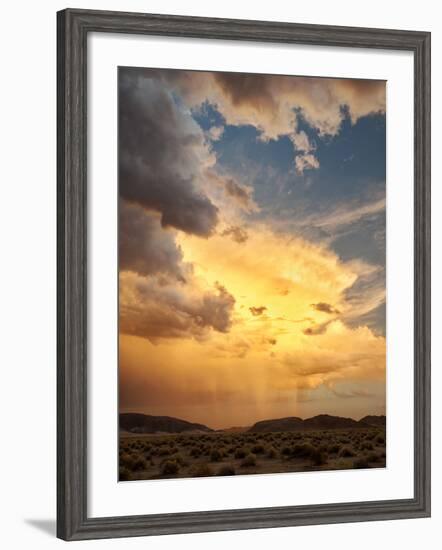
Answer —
161 156
325 308
273 103
145 247
247 89
268 101
152 308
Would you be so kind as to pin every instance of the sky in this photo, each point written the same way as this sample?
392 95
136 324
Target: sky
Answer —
251 246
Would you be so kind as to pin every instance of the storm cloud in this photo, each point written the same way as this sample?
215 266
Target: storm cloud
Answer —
145 247
271 100
153 308
198 256
162 156
273 103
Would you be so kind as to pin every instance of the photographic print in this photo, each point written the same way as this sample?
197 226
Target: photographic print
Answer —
252 332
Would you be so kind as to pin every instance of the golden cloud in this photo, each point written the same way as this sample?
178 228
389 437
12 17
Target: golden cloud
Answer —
223 321
271 103
218 361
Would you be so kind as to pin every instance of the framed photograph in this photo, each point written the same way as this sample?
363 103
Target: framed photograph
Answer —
243 274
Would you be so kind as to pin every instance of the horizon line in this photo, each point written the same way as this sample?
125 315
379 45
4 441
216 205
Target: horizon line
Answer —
252 424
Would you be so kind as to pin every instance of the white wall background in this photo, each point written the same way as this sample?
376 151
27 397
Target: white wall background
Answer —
27 306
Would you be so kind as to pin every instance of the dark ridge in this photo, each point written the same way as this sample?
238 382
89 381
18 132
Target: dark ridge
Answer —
328 422
319 422
149 424
372 420
144 423
289 424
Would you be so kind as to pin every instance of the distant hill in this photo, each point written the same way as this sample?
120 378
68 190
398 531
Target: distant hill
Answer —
149 424
378 421
289 424
329 422
145 423
319 422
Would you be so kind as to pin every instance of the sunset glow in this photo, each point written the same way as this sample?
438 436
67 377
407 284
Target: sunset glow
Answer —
252 246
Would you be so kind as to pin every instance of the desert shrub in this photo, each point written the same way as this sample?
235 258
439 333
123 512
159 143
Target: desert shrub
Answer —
179 458
164 451
380 439
195 452
249 460
139 464
201 470
155 451
346 452
334 448
240 452
127 461
318 457
258 448
302 451
223 451
361 462
373 457
169 467
123 474
215 455
226 471
272 452
286 450
366 445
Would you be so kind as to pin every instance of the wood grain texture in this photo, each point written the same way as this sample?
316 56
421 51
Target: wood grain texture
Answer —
72 29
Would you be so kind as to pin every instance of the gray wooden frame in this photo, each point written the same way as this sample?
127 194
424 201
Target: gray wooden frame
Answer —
73 27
